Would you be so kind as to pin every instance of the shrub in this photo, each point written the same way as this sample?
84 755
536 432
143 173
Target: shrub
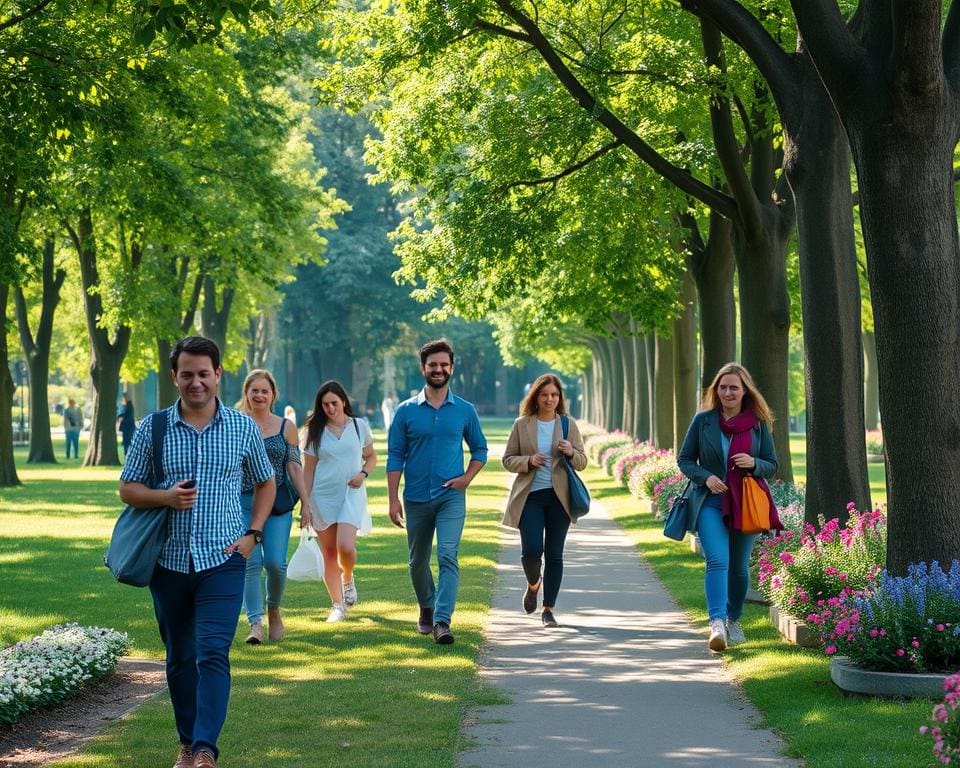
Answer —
610 457
801 574
54 665
875 442
945 725
645 476
631 459
665 491
787 495
902 624
596 445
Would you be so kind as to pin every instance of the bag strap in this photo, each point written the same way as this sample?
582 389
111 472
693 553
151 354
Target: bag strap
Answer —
357 428
565 425
158 430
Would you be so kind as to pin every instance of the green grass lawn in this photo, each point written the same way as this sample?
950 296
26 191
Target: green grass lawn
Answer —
875 470
369 691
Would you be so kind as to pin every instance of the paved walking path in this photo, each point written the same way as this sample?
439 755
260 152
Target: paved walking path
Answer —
626 682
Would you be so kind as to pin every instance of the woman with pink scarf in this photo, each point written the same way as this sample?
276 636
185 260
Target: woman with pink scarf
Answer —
727 440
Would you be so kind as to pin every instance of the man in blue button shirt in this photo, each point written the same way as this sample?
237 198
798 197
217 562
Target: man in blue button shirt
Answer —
425 445
197 586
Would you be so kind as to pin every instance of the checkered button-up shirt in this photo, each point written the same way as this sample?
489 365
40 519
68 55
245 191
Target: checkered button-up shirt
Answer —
215 456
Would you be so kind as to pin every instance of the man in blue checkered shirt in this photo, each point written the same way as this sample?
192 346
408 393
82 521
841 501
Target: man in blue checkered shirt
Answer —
197 586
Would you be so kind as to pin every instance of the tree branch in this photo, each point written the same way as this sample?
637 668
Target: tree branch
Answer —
14 20
839 58
496 29
951 45
677 176
567 171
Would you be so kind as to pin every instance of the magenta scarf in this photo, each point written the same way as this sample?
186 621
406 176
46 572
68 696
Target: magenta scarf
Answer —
740 428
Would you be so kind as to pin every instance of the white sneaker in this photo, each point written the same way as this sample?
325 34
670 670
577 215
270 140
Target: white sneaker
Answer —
337 613
350 593
718 636
735 634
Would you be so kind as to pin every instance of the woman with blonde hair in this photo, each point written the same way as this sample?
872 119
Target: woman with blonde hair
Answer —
539 500
728 439
281 441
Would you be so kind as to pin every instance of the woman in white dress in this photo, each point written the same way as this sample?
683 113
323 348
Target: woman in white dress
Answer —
338 456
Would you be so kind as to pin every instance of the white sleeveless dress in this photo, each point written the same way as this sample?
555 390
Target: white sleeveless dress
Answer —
338 460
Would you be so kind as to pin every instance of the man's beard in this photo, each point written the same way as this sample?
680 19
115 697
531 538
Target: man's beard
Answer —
431 382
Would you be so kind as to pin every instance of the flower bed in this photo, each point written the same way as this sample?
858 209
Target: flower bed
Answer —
644 477
596 445
665 491
945 723
629 460
611 456
54 665
902 624
802 575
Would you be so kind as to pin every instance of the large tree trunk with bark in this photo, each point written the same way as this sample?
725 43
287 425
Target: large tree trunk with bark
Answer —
37 350
166 390
871 382
817 164
641 413
625 349
663 394
685 383
8 468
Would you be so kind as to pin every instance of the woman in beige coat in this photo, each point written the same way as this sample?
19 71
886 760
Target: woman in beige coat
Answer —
540 498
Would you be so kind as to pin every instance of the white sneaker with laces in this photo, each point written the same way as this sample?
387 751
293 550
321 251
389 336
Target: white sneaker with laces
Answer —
350 593
337 613
735 634
718 636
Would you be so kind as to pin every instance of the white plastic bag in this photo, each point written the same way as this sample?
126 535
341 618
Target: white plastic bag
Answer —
307 561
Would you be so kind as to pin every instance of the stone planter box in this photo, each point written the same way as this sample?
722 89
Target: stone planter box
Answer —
848 677
794 630
653 509
753 596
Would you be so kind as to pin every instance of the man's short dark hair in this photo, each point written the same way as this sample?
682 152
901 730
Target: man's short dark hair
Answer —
195 345
432 347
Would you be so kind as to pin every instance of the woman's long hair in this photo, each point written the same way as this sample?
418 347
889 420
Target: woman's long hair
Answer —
751 395
317 420
257 373
528 407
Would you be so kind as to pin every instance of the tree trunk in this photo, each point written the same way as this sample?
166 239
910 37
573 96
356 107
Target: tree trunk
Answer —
641 414
871 381
625 349
663 394
215 314
8 468
166 390
650 356
600 388
817 164
106 355
765 324
685 384
362 367
37 351
614 376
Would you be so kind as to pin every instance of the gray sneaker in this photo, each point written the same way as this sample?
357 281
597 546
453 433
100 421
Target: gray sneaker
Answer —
350 593
735 634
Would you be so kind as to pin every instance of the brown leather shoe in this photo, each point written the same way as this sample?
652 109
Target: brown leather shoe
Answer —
204 759
256 634
184 757
530 598
425 622
442 634
275 632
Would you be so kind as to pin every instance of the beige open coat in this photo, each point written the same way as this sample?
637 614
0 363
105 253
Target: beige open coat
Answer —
521 445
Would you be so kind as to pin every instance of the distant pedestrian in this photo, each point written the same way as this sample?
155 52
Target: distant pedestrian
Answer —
727 440
197 586
280 439
290 414
72 424
126 422
388 407
425 445
540 497
338 459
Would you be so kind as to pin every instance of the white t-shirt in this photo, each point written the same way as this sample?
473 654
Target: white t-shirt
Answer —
544 477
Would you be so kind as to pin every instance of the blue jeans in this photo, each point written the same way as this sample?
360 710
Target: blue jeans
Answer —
73 439
543 531
445 515
272 555
728 562
197 614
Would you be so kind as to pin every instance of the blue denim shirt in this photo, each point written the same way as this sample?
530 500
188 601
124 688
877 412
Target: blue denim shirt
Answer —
426 444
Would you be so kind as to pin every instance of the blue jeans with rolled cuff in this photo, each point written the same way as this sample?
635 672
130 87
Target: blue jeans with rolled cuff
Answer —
543 533
728 562
270 556
197 614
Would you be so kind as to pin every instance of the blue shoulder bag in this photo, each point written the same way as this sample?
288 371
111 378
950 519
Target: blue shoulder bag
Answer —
139 534
579 495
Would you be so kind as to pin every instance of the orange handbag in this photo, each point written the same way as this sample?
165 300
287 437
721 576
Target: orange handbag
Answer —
755 507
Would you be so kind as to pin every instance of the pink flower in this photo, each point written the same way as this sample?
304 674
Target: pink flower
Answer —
900 652
939 627
915 643
873 632
786 558
830 650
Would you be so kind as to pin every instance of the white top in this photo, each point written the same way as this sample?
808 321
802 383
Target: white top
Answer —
544 477
339 459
